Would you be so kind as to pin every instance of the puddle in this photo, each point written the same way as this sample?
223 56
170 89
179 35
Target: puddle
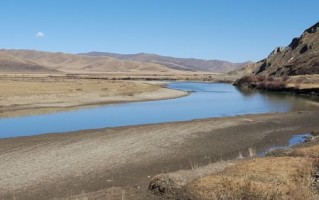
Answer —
296 139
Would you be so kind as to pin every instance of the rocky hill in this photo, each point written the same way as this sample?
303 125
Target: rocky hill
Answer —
300 57
294 68
187 64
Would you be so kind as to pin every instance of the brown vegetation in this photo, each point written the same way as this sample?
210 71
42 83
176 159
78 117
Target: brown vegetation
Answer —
262 82
283 175
301 84
260 178
291 174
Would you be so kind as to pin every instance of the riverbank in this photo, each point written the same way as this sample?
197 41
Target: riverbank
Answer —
120 162
38 95
301 84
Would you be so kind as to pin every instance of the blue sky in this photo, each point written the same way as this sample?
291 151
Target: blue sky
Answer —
211 29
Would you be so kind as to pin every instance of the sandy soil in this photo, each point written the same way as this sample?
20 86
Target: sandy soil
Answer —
26 95
118 163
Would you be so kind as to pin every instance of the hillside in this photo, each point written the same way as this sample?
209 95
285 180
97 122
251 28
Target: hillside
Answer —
294 68
71 63
300 57
188 64
11 64
13 61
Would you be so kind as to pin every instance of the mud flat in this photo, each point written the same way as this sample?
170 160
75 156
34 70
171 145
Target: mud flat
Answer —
120 162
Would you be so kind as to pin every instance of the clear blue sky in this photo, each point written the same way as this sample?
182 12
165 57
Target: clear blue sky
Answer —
211 29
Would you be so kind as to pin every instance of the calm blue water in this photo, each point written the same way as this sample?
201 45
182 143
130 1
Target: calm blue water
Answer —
206 100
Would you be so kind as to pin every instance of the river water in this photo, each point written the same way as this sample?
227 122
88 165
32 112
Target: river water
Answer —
206 100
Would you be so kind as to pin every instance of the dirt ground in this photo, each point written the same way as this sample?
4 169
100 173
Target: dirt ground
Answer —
118 163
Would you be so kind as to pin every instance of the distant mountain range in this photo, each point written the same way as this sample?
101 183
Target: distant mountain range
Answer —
30 61
9 64
186 64
300 57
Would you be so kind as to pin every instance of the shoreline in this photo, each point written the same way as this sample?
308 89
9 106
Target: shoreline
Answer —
123 158
161 93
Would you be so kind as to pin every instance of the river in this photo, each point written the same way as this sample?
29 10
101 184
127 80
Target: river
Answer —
205 100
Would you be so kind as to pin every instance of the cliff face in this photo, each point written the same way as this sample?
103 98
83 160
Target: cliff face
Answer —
301 57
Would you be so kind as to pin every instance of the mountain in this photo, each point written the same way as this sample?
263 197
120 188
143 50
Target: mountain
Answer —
13 61
300 57
12 64
294 68
186 64
71 63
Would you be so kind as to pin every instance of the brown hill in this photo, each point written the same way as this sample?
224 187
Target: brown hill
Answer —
300 57
12 64
294 68
99 62
187 64
82 64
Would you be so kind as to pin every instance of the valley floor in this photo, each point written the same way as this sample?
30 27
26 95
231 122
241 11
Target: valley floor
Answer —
119 163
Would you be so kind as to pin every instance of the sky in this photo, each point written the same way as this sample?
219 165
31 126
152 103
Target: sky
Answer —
229 30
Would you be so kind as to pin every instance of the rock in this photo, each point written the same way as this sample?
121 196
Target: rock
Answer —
304 49
294 43
164 185
276 50
313 29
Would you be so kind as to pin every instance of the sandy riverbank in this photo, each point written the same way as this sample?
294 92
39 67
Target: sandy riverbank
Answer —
38 95
117 162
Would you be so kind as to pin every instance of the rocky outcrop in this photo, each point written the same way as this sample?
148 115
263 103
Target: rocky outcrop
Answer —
300 57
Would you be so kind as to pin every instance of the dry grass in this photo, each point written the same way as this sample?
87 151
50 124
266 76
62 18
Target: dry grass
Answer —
261 178
68 87
311 151
304 81
49 92
25 95
263 82
300 82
